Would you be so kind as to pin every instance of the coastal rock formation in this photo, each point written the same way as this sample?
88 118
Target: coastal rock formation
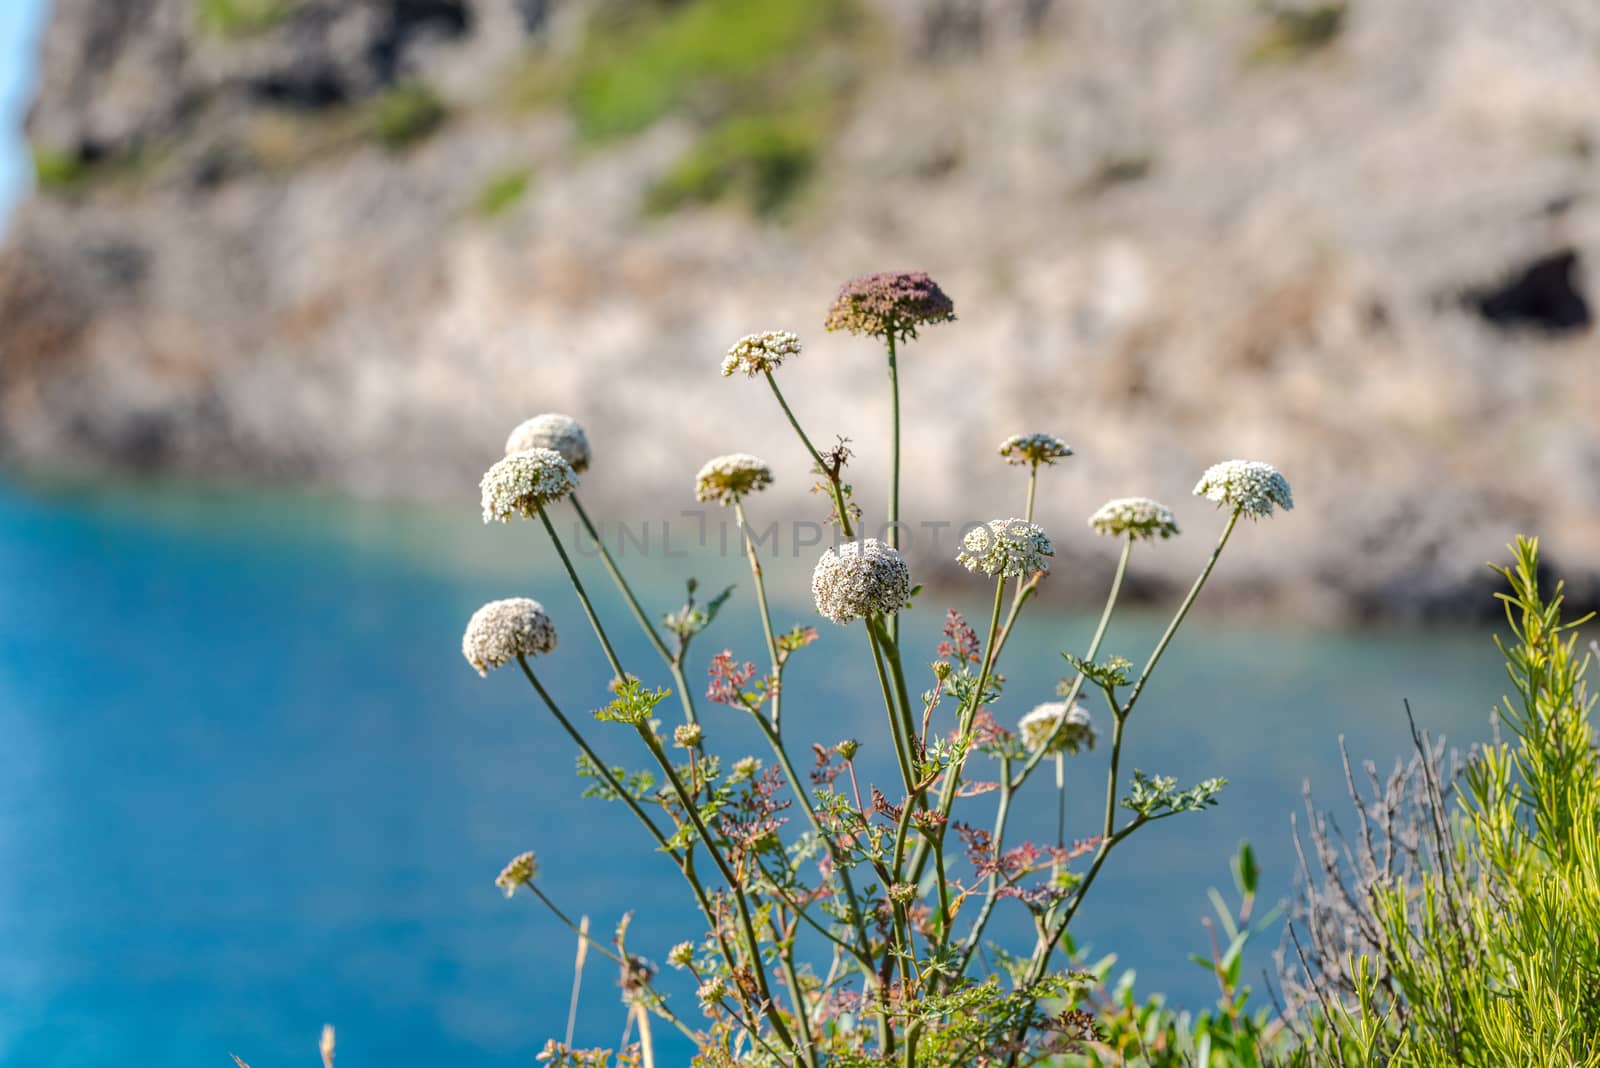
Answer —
354 242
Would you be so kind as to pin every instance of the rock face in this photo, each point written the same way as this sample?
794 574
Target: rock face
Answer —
1359 242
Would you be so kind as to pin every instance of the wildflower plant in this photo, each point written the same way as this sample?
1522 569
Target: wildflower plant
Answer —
842 921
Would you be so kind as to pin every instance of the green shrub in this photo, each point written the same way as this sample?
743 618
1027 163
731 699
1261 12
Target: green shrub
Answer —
627 82
503 191
1293 33
406 113
1489 954
240 18
762 160
55 171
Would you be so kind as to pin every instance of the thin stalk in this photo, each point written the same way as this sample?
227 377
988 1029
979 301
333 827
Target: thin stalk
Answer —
584 939
1183 610
1120 719
894 464
684 694
802 1018
1090 654
685 862
577 976
746 924
583 596
902 746
1009 784
766 616
952 777
863 952
822 468
1033 484
601 767
1002 812
891 656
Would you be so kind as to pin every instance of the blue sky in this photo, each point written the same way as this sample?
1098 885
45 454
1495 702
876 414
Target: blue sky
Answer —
19 27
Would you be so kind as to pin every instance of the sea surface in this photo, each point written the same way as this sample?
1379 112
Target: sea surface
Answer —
248 785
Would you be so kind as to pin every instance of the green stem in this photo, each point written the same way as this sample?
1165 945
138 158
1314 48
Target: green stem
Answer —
894 463
600 766
1090 654
863 951
802 1020
746 924
891 656
766 617
970 946
1120 717
952 777
1033 484
684 695
902 745
685 863
822 468
1183 610
659 1003
583 596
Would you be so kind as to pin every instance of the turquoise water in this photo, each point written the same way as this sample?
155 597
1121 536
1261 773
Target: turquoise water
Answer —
249 785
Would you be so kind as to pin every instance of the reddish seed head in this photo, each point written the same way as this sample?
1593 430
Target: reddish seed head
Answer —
889 303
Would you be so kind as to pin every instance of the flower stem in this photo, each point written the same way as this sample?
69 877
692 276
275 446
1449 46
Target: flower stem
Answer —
952 776
1093 651
601 768
902 745
822 468
766 617
684 694
746 924
685 862
605 951
583 596
862 951
1183 610
894 463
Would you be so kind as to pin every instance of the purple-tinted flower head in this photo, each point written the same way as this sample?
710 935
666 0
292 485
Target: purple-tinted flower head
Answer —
889 303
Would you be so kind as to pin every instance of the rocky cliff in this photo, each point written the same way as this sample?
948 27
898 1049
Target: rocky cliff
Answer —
352 242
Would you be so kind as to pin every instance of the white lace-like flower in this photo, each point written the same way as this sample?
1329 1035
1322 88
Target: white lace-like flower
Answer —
756 353
553 430
725 477
861 578
522 869
1064 730
1248 485
501 630
1010 547
524 481
1034 449
1136 517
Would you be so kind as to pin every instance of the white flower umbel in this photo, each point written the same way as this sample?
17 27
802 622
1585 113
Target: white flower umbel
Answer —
501 631
725 477
1248 485
757 353
1135 517
861 578
524 481
521 870
552 430
1034 449
1009 547
1062 729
